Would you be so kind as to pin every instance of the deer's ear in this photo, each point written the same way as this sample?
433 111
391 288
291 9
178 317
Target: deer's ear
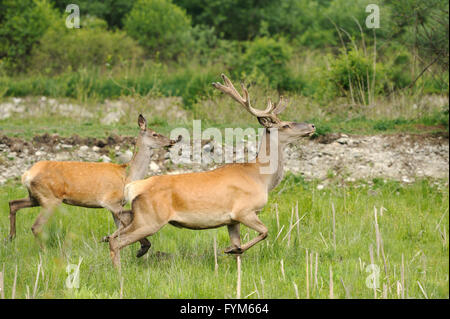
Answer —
142 122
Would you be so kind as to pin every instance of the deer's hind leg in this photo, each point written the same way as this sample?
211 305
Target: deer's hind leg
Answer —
146 222
235 238
123 219
14 206
252 221
129 235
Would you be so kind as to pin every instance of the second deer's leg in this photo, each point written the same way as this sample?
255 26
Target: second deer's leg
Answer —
14 206
252 221
48 208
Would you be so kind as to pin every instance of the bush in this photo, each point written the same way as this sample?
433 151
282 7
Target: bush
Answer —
159 26
63 49
265 62
22 24
352 74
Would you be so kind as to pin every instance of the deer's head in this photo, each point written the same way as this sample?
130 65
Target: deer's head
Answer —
151 139
287 131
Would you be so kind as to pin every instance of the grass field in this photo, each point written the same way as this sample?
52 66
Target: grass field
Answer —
413 222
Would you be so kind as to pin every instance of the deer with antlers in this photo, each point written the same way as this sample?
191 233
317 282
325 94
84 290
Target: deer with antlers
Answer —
85 184
230 195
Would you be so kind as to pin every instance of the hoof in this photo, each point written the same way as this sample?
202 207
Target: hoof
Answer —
141 252
105 239
233 250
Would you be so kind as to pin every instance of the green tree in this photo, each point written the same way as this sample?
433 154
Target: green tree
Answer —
265 61
92 46
112 11
232 19
161 27
22 24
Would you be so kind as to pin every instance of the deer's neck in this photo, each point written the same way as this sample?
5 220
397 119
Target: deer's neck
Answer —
270 160
138 166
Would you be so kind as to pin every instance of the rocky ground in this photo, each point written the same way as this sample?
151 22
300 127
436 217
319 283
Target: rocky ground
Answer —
403 157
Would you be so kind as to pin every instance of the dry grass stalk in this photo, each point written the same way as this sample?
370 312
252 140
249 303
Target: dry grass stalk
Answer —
121 288
256 289
278 218
289 232
377 232
307 274
403 277
262 286
37 277
334 226
216 265
290 227
379 238
372 263
238 285
316 282
323 240
279 233
422 290
13 293
385 291
296 290
2 286
298 219
311 268
347 292
331 283
253 292
282 269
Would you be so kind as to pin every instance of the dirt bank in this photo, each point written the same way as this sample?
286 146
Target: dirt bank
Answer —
402 157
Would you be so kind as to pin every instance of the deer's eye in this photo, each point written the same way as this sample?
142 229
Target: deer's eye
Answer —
155 135
286 126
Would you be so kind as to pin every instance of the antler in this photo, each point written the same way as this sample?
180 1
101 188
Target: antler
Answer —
270 112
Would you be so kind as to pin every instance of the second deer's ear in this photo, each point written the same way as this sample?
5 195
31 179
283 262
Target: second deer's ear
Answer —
142 122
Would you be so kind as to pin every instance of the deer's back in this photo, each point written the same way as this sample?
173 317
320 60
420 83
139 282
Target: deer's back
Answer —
78 183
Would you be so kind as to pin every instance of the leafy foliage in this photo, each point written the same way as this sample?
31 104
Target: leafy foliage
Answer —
22 24
112 11
265 61
159 26
63 49
353 74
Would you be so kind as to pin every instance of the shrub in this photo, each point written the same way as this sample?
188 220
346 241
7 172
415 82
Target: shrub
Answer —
22 24
159 26
352 74
265 62
62 49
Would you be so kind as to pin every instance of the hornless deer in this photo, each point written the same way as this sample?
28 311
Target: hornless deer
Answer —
85 184
229 195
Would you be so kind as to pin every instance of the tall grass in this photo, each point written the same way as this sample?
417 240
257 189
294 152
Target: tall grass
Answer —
412 221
